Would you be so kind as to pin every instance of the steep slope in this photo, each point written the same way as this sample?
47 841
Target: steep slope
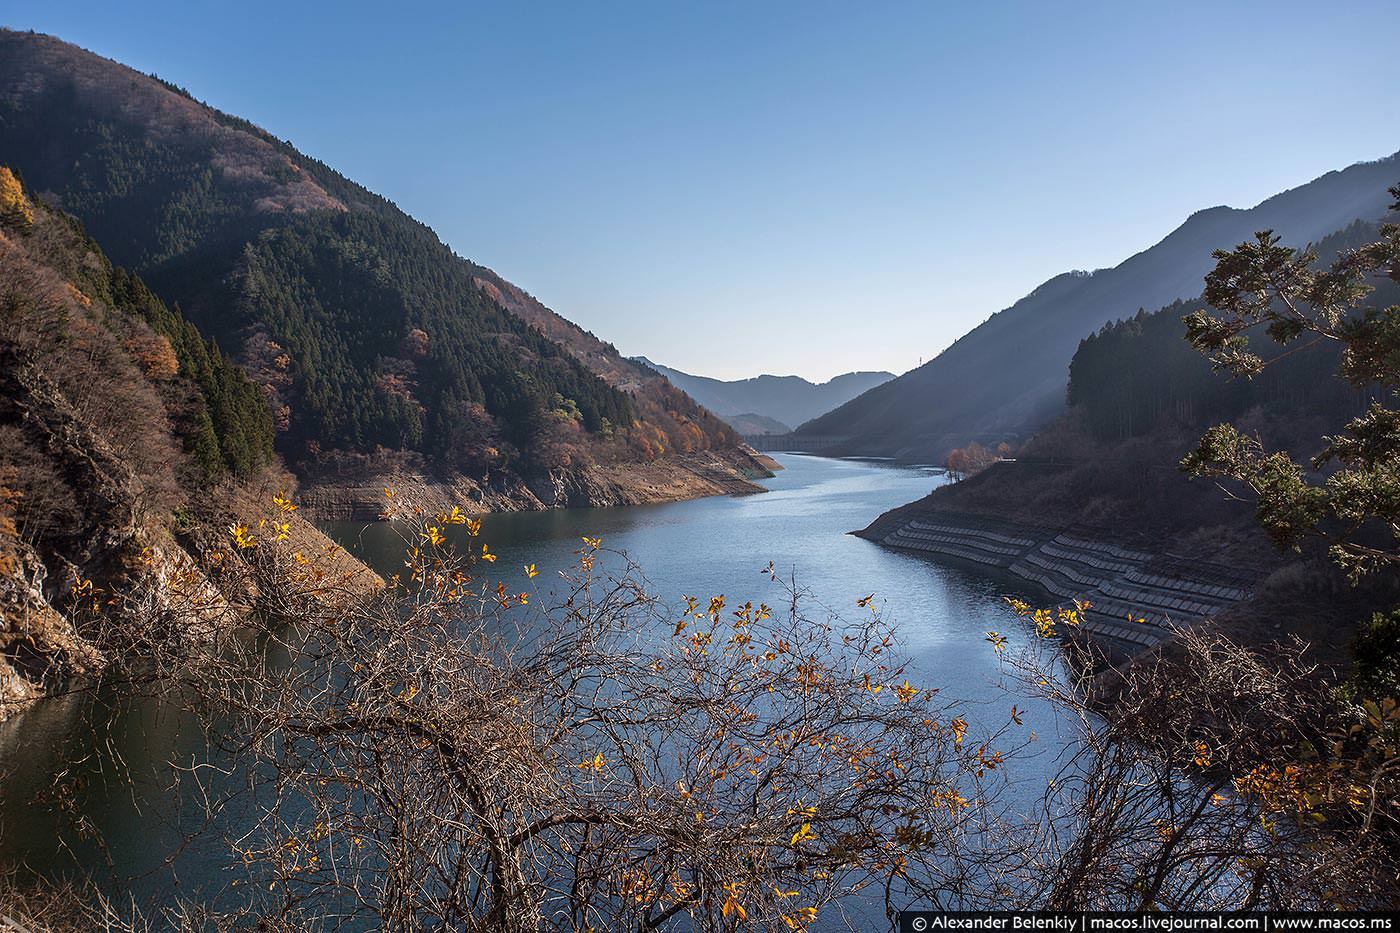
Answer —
126 445
787 399
1096 507
365 331
1006 378
656 401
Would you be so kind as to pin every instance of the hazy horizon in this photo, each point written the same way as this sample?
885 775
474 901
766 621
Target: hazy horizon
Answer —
791 189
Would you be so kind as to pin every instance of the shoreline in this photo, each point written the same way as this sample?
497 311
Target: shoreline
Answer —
1137 598
698 475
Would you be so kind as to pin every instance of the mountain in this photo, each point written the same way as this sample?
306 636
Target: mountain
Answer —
787 399
1006 378
127 445
370 339
1095 505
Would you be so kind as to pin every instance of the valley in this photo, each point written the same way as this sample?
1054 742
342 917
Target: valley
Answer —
1004 380
346 584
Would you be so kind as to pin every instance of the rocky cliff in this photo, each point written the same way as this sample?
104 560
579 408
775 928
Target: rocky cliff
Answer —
115 501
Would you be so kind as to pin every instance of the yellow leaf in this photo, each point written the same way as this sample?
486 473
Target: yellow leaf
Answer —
241 538
959 727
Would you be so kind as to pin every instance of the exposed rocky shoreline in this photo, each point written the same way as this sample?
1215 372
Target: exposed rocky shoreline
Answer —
41 646
731 471
183 580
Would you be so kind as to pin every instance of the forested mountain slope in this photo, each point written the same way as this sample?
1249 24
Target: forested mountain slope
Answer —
791 400
125 442
1140 376
364 330
1006 378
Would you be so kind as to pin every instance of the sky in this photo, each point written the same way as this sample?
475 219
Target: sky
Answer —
785 187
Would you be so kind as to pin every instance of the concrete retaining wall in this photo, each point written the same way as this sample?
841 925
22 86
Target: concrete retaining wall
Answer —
1135 597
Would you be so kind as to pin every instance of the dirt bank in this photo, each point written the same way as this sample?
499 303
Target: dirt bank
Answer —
360 497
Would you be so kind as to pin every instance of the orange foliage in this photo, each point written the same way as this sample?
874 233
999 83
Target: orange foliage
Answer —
14 206
76 294
416 343
155 355
9 499
974 458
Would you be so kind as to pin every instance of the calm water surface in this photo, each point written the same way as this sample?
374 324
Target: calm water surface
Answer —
719 545
125 788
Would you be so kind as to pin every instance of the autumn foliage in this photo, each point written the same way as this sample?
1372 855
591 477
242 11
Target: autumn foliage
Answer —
14 206
963 462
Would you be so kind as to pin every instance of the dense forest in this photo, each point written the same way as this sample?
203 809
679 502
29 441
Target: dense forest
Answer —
364 330
1141 375
219 414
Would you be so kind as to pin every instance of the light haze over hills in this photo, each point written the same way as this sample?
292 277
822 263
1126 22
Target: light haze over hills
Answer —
769 404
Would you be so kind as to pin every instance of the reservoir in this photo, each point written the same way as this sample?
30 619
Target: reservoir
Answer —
108 780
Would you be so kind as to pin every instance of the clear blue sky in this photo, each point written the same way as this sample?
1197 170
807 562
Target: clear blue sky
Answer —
786 187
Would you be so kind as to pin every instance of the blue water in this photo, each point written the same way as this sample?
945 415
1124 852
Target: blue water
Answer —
720 545
124 784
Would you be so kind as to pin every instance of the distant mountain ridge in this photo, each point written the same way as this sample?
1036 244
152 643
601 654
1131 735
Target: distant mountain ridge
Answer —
789 400
1006 378
750 424
1140 396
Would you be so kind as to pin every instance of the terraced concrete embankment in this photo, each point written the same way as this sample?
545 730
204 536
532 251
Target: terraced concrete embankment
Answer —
1122 585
